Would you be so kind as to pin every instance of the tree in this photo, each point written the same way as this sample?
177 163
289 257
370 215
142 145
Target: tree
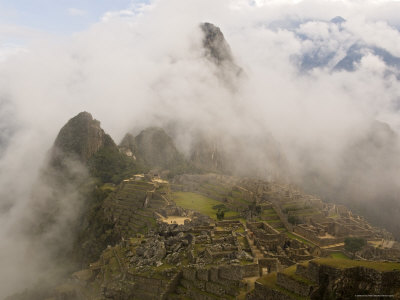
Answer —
354 244
220 214
294 220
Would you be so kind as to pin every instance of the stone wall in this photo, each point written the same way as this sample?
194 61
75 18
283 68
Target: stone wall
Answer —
262 292
303 271
172 285
216 281
148 288
211 282
271 263
315 239
284 260
250 270
229 223
299 287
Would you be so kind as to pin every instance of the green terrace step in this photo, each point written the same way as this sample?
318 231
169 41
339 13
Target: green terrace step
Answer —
145 214
142 183
144 294
123 218
134 227
137 222
123 207
132 196
134 191
176 296
270 217
138 216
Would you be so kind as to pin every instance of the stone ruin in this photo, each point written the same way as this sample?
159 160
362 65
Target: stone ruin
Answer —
205 259
270 243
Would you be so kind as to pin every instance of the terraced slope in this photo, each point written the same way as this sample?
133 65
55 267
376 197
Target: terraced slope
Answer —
131 207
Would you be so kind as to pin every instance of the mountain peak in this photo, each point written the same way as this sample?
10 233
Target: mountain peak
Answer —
215 44
81 137
338 20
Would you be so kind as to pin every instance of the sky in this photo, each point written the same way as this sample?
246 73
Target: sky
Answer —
61 16
22 21
134 68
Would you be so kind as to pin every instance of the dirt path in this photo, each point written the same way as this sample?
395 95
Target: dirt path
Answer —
333 246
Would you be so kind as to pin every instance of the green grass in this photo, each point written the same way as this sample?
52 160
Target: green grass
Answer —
199 203
339 255
243 242
295 205
273 221
295 237
308 212
348 263
269 212
163 267
108 187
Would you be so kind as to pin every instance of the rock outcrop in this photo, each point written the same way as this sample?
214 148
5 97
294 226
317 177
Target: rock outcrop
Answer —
80 138
215 44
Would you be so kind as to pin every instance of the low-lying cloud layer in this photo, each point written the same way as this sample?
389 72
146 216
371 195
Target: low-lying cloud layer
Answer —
146 66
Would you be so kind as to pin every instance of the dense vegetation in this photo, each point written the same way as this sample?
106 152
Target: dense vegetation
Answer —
110 165
354 244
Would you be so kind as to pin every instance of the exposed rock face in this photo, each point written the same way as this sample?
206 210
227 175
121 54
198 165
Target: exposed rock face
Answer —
236 155
157 150
207 155
217 50
215 44
81 137
338 20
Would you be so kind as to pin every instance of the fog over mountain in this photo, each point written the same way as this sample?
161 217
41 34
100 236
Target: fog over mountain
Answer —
306 93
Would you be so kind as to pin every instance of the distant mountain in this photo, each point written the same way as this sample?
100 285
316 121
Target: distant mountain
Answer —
157 149
338 20
339 50
207 154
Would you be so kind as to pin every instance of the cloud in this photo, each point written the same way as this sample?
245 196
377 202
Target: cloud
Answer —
132 70
7 50
75 12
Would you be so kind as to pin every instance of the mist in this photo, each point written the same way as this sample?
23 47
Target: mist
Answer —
145 66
